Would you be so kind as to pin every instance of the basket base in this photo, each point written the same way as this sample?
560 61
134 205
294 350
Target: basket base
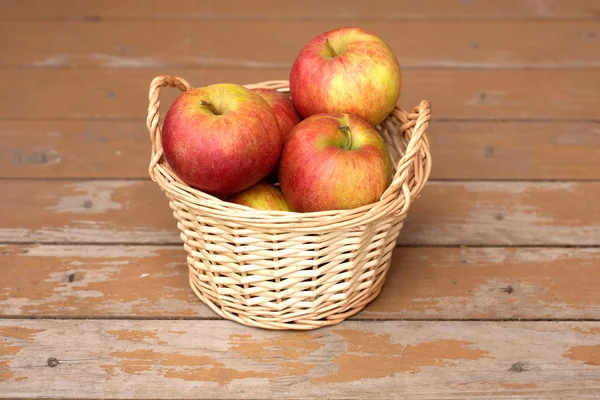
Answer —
300 324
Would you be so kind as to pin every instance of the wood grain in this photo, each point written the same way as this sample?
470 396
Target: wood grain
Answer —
378 360
308 9
461 150
217 44
94 281
447 213
456 94
514 87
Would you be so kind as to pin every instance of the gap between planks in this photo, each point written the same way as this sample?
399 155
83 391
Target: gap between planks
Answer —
479 45
308 10
398 245
216 318
441 67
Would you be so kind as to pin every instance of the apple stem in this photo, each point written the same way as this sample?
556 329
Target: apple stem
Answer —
346 129
210 105
330 47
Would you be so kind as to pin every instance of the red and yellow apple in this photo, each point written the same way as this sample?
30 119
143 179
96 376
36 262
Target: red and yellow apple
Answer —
262 195
333 162
221 139
286 114
346 70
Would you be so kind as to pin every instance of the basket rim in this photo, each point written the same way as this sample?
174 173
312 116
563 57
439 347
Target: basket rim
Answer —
214 207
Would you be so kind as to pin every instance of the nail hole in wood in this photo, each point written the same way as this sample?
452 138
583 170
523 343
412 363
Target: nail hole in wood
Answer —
72 277
53 362
509 289
40 157
489 151
518 367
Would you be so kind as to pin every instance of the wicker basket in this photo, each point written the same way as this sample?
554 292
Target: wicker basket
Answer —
286 270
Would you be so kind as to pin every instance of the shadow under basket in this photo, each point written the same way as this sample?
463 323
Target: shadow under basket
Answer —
287 270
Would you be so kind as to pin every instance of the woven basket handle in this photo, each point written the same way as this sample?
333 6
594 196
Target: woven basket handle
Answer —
153 112
399 183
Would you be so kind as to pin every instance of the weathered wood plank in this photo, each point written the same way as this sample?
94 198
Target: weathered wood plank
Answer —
513 150
448 213
308 9
376 360
74 149
115 44
467 150
456 94
97 281
423 283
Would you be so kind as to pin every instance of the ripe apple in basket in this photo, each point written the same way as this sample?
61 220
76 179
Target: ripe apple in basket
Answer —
221 139
262 195
286 114
334 162
346 70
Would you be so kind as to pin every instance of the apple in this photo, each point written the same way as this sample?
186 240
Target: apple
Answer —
333 161
262 195
286 114
221 138
346 70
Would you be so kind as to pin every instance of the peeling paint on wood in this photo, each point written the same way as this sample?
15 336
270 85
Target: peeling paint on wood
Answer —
449 90
589 355
100 280
472 281
481 74
532 213
291 347
371 360
176 366
379 358
90 197
87 252
308 10
501 44
119 149
136 336
152 281
447 213
591 331
12 340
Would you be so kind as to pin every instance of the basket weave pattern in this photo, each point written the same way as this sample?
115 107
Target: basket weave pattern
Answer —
285 270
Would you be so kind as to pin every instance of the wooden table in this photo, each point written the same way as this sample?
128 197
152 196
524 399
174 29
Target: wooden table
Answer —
494 290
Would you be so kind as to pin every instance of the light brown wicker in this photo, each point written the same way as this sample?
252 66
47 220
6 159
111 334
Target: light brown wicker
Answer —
286 270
